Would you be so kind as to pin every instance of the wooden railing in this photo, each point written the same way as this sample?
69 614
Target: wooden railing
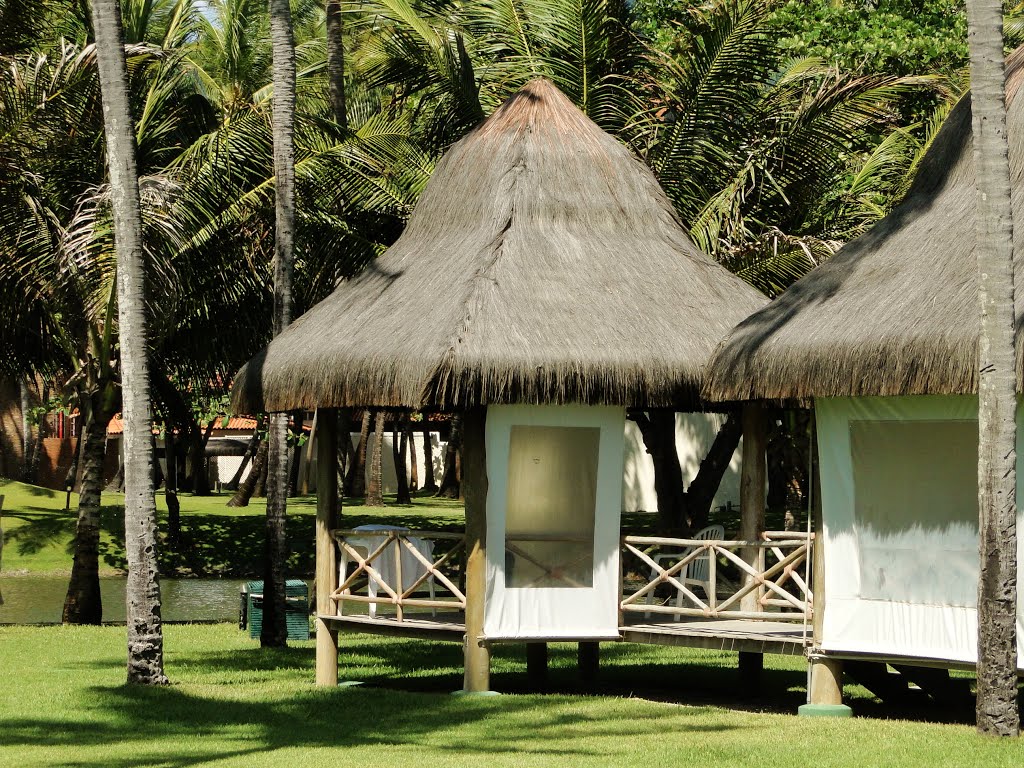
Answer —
759 580
393 569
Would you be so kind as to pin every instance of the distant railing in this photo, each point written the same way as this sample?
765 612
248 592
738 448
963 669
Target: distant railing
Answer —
759 580
569 563
394 568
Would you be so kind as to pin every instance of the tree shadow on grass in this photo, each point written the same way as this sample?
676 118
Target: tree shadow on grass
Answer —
627 671
40 528
177 720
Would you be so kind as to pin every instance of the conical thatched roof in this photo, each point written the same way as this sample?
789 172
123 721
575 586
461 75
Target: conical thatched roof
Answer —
543 263
896 311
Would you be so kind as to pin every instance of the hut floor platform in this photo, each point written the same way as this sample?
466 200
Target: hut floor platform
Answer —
748 636
448 625
779 637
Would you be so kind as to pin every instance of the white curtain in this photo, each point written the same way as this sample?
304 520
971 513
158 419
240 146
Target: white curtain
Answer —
554 490
899 501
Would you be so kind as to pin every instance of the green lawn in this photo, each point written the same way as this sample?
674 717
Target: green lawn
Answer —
216 539
234 705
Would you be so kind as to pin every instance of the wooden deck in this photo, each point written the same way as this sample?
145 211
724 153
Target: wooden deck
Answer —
443 626
781 637
723 634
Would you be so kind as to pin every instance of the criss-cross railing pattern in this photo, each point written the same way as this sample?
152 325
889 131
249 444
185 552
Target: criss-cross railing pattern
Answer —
394 568
760 580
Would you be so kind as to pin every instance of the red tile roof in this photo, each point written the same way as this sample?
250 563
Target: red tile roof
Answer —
116 426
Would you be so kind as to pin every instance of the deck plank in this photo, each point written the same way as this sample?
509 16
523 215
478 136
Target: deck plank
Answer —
440 627
737 635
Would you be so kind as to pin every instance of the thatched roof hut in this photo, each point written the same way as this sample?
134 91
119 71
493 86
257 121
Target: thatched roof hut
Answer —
895 312
542 264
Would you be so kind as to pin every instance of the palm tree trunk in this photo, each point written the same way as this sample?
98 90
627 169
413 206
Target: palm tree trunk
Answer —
997 712
429 483
275 631
450 479
247 489
275 552
71 478
261 480
171 485
200 475
344 445
702 489
250 451
658 429
145 632
336 61
355 478
82 604
409 439
399 448
158 473
29 432
295 455
374 490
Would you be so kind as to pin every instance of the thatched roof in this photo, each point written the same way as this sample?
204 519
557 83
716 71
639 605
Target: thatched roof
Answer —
542 264
896 311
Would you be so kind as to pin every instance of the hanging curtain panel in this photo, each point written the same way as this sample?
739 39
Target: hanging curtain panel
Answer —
554 488
899 479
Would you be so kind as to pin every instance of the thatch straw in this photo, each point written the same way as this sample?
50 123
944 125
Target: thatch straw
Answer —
896 311
542 264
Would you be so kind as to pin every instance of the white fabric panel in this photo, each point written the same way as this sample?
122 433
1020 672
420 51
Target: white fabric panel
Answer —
899 502
553 464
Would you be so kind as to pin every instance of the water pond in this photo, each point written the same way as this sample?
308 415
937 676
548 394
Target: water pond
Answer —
40 599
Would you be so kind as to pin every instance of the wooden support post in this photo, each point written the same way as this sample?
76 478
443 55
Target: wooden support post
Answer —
825 686
477 654
537 664
751 665
753 491
753 486
326 555
589 659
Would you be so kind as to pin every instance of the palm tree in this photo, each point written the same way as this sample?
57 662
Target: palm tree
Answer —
375 488
58 284
145 633
997 712
275 630
773 163
336 61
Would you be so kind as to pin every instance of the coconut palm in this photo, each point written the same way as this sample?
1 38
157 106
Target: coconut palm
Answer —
335 36
774 163
59 309
997 402
452 63
275 631
145 634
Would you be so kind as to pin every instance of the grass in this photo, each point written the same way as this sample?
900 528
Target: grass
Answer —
217 540
232 704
